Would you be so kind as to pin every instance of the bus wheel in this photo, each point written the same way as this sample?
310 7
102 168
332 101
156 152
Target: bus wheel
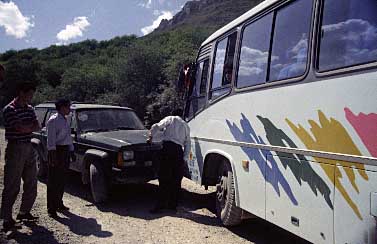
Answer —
226 209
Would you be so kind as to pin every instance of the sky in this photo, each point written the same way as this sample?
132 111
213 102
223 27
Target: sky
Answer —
41 23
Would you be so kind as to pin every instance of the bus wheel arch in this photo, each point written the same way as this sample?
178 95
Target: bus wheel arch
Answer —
219 171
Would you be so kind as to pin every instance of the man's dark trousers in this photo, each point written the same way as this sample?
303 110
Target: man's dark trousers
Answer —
57 173
20 163
170 175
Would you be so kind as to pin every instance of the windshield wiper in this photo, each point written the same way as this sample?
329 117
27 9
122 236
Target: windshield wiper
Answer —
95 130
123 128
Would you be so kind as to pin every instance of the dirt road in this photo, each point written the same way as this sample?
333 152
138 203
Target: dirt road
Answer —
126 219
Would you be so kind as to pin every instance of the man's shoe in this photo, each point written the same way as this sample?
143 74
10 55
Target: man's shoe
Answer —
10 225
27 217
52 214
62 208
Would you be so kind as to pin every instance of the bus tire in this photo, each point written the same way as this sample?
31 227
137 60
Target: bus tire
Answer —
98 183
226 209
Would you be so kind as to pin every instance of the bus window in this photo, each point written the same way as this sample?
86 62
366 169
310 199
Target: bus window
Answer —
349 34
204 78
223 66
254 52
198 99
290 43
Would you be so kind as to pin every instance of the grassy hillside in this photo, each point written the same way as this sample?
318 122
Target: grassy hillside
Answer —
139 72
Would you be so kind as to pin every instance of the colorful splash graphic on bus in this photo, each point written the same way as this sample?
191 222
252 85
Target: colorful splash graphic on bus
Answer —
298 164
270 170
366 127
329 135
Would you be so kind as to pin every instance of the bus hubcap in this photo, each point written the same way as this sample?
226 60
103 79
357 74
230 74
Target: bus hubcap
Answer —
222 191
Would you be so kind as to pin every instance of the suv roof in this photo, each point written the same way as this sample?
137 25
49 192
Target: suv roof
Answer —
81 106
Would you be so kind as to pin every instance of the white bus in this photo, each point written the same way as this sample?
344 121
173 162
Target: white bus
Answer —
283 118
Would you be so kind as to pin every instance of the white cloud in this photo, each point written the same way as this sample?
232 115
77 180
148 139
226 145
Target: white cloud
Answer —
165 15
146 4
13 21
73 30
349 42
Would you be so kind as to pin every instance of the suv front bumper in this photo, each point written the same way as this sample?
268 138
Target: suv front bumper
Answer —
133 174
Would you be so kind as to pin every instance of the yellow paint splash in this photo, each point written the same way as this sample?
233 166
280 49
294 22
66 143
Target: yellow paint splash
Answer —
331 136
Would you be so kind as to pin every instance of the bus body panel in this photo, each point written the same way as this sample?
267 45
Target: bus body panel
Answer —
356 224
303 217
325 115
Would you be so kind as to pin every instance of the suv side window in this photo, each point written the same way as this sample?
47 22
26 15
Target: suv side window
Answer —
40 113
49 113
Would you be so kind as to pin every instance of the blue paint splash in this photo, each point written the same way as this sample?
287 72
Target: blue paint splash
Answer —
271 174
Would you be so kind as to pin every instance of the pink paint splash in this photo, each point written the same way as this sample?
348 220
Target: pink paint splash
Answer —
366 127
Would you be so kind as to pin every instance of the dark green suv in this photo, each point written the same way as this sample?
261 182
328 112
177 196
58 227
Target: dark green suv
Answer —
110 146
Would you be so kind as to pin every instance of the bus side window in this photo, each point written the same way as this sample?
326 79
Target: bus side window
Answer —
289 53
198 97
223 66
252 69
349 34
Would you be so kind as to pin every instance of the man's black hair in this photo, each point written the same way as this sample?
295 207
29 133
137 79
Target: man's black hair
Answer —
178 112
25 87
63 102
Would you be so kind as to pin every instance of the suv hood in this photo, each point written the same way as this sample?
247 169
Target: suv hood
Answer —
117 138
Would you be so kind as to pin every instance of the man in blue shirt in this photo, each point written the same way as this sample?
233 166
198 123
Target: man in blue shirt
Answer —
60 150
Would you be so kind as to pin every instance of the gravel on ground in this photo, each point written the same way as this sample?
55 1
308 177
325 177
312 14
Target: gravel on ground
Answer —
126 218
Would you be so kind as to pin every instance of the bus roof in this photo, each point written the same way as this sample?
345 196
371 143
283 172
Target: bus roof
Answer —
263 5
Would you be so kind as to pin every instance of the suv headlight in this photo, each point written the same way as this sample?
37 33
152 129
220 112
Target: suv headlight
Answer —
128 155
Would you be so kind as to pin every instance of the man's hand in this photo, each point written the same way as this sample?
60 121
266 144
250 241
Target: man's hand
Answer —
52 158
149 140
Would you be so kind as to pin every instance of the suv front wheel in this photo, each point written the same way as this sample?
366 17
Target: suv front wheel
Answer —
41 165
98 183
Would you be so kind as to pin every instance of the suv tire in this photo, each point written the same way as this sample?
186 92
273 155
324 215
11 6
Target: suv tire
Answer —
41 165
98 183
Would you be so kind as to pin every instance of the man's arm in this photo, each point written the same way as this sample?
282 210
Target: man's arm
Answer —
51 135
28 128
12 119
160 126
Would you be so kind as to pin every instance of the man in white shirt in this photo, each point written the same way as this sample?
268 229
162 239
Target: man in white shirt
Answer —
60 151
175 135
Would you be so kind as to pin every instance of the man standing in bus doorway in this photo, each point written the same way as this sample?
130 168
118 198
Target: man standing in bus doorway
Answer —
60 151
20 157
175 135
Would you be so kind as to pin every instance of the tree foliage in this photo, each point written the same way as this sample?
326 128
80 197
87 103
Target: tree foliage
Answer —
137 72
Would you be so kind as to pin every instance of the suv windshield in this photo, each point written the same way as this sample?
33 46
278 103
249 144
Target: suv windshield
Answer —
108 119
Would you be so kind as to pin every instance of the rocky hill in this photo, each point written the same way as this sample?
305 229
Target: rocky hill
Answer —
207 13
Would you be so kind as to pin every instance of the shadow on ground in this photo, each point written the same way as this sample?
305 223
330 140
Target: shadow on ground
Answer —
37 234
136 201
